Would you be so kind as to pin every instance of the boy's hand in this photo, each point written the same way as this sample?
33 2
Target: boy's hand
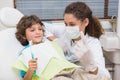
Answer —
33 64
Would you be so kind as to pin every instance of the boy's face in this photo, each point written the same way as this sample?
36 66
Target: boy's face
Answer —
34 33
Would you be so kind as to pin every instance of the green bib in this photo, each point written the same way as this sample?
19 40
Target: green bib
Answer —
53 67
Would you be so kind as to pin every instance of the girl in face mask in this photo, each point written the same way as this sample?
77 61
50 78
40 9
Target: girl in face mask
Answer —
84 30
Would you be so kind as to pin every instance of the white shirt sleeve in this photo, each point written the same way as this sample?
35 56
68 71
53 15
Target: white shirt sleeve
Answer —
96 50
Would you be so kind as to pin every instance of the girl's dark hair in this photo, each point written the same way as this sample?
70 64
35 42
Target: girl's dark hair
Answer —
24 23
81 11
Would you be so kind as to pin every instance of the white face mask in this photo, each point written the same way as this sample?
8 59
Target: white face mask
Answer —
72 32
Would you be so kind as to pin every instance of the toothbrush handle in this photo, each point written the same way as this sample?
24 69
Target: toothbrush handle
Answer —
33 58
34 72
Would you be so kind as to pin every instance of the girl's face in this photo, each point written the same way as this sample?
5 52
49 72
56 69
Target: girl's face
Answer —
71 20
34 33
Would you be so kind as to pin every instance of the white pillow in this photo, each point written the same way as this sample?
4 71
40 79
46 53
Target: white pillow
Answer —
9 50
9 16
56 29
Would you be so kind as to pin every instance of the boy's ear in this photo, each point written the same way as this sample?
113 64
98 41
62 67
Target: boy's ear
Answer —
24 37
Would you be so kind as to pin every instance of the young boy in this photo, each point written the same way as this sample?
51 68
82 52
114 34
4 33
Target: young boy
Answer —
37 59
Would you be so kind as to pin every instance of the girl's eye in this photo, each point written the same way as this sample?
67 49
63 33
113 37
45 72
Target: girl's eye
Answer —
72 24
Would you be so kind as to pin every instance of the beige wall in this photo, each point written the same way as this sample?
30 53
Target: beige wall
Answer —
6 3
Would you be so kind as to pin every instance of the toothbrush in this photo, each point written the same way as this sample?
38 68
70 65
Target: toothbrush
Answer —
30 44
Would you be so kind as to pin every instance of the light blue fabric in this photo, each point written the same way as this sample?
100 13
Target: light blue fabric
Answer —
22 73
23 49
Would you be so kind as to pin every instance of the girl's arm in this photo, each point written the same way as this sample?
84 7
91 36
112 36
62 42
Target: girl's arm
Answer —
85 55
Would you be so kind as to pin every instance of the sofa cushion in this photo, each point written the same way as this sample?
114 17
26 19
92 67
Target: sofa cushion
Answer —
9 50
9 16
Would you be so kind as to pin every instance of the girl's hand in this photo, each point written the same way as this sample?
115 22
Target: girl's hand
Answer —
81 47
33 64
84 54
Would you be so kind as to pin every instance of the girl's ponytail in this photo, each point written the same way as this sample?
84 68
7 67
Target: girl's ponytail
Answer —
94 27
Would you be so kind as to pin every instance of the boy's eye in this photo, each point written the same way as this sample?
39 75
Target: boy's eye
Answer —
32 30
40 29
65 24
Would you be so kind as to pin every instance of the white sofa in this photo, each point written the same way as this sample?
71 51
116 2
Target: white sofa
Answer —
9 46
